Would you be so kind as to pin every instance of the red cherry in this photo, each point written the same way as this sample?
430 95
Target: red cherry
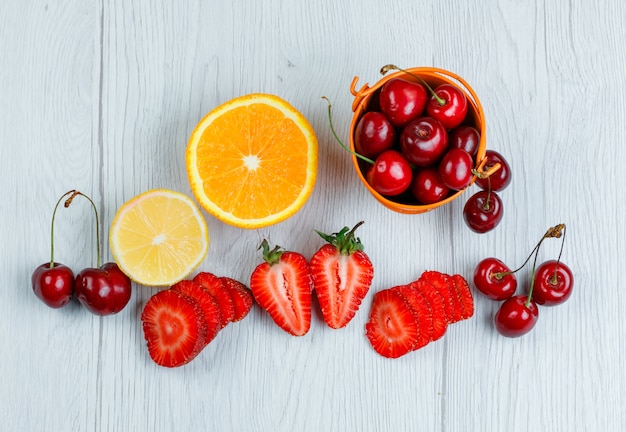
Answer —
53 282
391 173
53 285
552 284
494 279
423 141
448 105
402 101
483 211
455 169
103 291
373 134
516 316
427 187
499 179
464 137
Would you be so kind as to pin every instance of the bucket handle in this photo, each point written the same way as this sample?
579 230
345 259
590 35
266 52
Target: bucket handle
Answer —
480 170
360 94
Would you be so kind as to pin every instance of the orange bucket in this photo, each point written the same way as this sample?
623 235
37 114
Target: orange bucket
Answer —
366 99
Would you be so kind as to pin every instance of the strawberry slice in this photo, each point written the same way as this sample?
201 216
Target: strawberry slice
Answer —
443 285
342 275
465 295
174 328
436 301
392 328
241 296
282 286
210 307
216 288
421 310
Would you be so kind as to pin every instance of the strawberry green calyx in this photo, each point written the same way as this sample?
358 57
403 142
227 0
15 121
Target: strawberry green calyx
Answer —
271 256
344 240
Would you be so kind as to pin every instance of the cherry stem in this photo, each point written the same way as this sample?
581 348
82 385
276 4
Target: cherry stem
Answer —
554 278
532 277
93 205
486 205
556 231
54 213
389 67
332 128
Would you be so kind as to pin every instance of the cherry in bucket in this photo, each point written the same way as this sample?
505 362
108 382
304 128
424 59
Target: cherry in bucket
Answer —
427 187
423 141
455 169
402 101
53 282
374 134
390 174
448 104
464 137
103 290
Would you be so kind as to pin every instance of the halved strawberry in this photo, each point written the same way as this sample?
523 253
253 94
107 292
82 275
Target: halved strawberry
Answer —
241 296
174 328
422 311
342 275
444 286
216 288
440 321
210 307
465 295
392 328
282 286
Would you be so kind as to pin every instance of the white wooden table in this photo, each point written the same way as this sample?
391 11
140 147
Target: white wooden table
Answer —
102 96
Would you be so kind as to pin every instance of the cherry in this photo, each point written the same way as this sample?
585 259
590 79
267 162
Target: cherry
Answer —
390 174
402 101
455 169
103 290
516 316
373 134
552 283
423 141
427 187
464 137
483 211
52 282
448 104
499 179
494 279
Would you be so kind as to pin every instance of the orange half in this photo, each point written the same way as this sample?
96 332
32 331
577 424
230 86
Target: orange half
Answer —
252 162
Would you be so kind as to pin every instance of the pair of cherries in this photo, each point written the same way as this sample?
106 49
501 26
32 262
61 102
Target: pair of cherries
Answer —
483 211
414 130
103 290
551 284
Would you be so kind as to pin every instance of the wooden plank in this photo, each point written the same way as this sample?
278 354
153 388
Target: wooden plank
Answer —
47 121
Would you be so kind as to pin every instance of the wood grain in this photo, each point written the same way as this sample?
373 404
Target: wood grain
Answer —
102 98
